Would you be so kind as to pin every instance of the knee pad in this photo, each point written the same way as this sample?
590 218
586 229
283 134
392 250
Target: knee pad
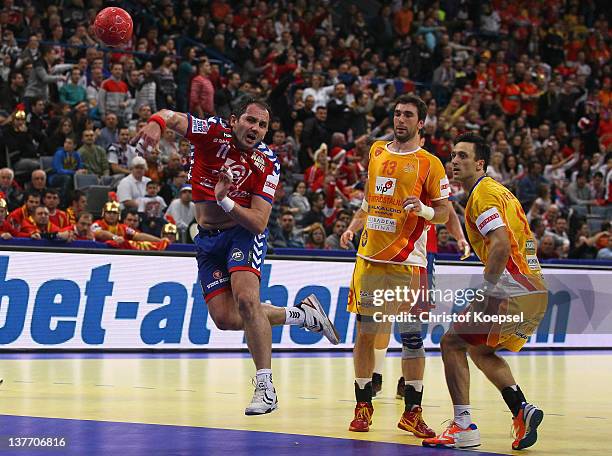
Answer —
412 346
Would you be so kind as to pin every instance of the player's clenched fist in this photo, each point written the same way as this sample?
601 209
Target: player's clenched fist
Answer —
224 183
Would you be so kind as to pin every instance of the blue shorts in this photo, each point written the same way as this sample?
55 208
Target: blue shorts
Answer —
221 252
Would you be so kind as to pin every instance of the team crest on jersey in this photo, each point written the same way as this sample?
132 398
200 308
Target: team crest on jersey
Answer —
237 255
364 238
217 274
385 186
377 152
258 161
199 126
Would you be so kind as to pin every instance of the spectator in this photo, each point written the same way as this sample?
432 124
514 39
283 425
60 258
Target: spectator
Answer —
202 92
9 189
182 210
18 216
51 200
445 245
77 204
133 186
315 236
40 78
19 144
73 93
121 154
38 181
579 193
289 236
93 156
333 240
529 185
546 248
110 133
167 145
146 94
339 113
108 227
229 96
314 176
39 227
603 254
37 121
171 189
12 94
583 247
113 95
66 163
63 130
151 204
7 231
81 230
314 134
299 202
315 215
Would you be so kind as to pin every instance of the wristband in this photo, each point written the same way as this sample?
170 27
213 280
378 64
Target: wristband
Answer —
364 205
426 212
159 120
227 204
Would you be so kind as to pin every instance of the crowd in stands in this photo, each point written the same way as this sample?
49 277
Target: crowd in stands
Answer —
533 77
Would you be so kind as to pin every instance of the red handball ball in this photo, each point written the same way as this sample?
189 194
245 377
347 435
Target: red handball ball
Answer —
113 26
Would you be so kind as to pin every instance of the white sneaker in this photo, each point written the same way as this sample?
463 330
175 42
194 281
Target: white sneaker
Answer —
264 399
317 320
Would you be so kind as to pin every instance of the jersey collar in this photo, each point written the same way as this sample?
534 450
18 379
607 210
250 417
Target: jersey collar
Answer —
477 182
401 153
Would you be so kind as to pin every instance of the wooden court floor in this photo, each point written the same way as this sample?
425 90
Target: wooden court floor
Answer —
204 395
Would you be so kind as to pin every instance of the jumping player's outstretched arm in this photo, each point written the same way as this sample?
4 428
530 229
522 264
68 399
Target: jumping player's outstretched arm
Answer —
148 137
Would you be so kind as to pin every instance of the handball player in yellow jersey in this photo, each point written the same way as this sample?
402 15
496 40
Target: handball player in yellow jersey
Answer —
514 298
407 191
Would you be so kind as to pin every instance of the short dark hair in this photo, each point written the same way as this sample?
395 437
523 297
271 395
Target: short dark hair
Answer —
50 191
413 100
482 151
76 195
34 193
84 214
248 101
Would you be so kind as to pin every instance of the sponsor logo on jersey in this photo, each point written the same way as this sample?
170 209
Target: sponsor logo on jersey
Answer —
237 255
530 246
385 186
270 184
388 200
199 126
489 219
364 238
409 168
388 225
533 263
258 161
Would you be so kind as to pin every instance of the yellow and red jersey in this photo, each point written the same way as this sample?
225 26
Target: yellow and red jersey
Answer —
391 234
119 229
60 219
489 207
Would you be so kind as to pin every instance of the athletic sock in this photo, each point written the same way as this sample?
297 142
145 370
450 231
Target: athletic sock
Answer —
264 376
463 415
514 397
363 390
294 316
413 394
379 360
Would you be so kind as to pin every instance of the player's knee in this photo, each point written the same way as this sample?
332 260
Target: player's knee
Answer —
247 304
412 346
450 342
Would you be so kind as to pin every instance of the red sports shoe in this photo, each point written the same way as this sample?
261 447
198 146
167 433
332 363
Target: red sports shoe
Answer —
363 417
455 437
412 421
525 426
